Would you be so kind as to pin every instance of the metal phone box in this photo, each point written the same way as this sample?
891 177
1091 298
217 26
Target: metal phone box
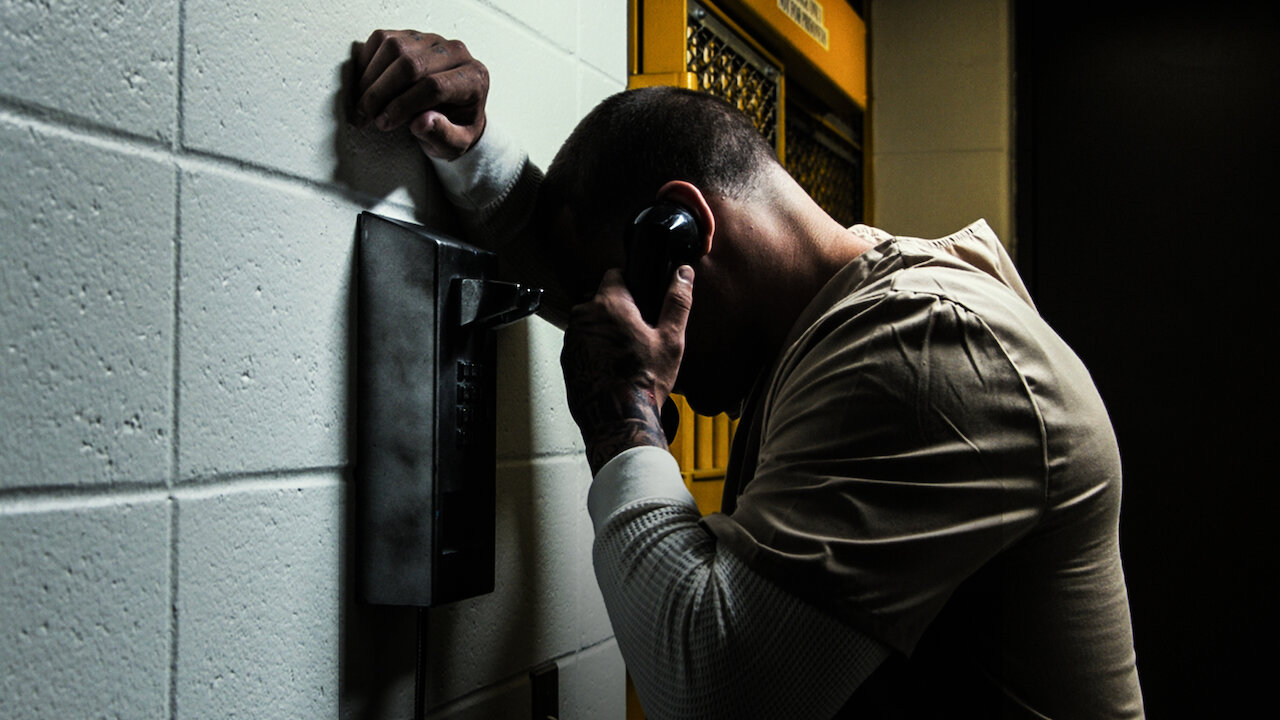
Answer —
426 310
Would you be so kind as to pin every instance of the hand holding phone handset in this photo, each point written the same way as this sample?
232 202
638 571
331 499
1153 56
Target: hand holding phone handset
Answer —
662 237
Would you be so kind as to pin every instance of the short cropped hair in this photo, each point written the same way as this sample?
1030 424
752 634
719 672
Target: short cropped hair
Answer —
636 141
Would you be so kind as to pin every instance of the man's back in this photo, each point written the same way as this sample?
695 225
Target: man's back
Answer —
934 458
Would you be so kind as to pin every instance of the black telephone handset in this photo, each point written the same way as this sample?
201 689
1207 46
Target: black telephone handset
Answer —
662 237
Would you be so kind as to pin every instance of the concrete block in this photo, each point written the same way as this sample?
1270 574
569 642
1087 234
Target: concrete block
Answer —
264 318
942 76
84 611
593 684
267 86
940 31
532 82
86 335
557 22
935 194
264 85
533 414
509 699
533 613
945 107
113 64
602 36
594 86
258 599
593 619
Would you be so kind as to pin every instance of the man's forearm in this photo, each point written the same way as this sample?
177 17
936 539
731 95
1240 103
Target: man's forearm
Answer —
694 623
619 424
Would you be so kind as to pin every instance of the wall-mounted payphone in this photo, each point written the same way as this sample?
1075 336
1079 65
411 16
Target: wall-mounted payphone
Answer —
426 309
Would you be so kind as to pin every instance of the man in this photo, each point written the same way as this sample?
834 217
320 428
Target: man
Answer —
920 517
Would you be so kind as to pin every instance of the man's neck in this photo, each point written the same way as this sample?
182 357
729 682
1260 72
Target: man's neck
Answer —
805 249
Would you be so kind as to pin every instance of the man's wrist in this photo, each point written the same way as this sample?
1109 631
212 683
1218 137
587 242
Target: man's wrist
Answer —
625 436
612 424
641 473
485 173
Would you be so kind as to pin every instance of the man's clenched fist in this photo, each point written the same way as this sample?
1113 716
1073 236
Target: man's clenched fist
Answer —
423 80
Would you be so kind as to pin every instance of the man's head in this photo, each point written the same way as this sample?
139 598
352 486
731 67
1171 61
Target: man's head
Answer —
635 142
682 146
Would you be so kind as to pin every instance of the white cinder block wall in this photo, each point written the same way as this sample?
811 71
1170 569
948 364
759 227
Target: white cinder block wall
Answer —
177 208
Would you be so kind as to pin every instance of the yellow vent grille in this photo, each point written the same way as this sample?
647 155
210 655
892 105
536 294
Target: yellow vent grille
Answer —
826 165
730 69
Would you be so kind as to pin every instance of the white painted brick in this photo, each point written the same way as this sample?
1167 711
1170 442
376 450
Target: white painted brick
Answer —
109 63
557 21
258 599
594 87
602 36
532 82
593 684
533 414
264 85
84 611
86 335
533 612
265 300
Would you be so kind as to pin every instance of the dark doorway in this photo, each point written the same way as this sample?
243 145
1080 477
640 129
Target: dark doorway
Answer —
1147 180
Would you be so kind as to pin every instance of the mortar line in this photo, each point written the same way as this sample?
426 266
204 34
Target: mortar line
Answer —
524 26
273 480
30 499
173 608
44 499
174 450
180 69
446 707
176 390
64 125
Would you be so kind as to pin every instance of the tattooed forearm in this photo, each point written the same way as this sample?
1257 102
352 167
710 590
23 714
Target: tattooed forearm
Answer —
612 424
610 445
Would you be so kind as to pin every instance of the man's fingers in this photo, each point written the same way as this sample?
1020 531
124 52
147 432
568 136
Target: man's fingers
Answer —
443 139
370 47
389 83
612 278
679 300
394 63
613 292
457 92
375 66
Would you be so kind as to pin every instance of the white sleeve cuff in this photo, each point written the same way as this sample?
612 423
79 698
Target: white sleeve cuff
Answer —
484 174
639 473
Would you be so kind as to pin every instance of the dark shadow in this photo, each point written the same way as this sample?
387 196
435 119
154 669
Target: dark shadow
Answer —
376 644
1148 159
518 551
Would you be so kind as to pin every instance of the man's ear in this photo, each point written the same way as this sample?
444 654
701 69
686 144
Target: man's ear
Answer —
688 196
